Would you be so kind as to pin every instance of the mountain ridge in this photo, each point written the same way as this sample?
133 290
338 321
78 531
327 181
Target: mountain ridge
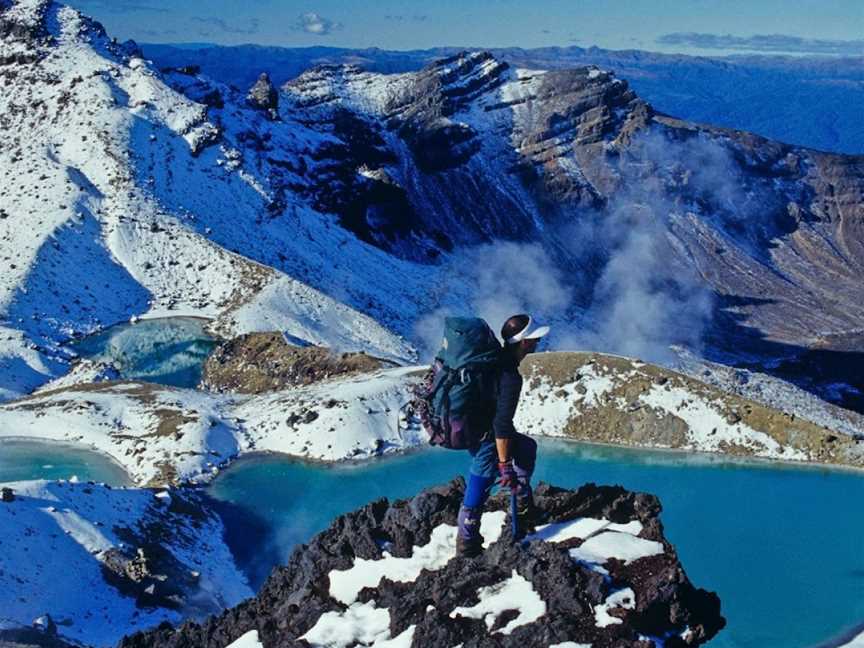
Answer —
807 101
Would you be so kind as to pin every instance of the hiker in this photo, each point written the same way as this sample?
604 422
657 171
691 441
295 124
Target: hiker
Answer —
502 453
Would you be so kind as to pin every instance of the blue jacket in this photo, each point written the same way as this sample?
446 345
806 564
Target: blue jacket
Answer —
506 397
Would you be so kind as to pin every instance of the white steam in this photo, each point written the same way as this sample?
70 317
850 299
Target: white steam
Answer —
640 290
500 279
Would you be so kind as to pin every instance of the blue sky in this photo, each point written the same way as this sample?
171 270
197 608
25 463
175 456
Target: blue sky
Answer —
689 26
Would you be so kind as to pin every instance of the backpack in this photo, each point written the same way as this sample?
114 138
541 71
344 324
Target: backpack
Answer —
456 399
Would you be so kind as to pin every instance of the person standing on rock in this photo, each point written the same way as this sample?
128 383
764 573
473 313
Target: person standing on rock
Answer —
503 453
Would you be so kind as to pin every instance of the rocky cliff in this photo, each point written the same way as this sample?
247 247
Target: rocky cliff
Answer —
599 574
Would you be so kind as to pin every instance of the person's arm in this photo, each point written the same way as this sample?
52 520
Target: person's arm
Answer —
510 385
503 446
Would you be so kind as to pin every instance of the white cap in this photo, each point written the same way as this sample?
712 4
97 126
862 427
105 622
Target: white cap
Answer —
527 334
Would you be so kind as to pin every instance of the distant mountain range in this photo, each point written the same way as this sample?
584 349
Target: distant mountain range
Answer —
808 101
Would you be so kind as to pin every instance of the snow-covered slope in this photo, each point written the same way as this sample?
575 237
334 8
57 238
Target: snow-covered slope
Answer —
113 205
103 560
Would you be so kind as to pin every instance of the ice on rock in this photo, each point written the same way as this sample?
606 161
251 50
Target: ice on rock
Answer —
581 528
623 598
614 544
362 623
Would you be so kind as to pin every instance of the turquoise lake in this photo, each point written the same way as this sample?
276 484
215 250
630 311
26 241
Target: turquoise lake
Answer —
167 351
21 460
782 546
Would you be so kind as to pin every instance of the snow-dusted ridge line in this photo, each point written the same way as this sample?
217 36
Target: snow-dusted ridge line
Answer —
162 434
622 401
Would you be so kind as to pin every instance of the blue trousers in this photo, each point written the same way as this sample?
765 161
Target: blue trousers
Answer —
484 468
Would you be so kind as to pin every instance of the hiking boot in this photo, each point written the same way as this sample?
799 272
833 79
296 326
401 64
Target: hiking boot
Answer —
468 548
469 542
528 516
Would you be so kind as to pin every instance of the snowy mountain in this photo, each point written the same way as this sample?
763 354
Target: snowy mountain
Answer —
351 209
809 101
112 205
599 574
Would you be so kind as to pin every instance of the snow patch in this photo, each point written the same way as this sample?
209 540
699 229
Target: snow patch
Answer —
248 640
582 528
623 598
708 426
361 623
515 593
346 584
614 544
547 409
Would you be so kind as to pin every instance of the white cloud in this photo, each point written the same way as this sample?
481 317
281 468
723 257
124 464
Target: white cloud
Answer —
314 23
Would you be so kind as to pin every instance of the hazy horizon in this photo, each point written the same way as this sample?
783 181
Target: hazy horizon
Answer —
694 27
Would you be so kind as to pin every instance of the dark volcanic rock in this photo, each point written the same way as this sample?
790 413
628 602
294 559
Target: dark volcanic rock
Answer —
263 96
422 114
295 597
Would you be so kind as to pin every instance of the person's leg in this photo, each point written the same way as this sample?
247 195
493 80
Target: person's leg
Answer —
481 477
524 450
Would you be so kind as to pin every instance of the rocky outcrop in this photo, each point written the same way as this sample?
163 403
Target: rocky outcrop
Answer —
32 637
600 572
262 362
421 115
264 97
